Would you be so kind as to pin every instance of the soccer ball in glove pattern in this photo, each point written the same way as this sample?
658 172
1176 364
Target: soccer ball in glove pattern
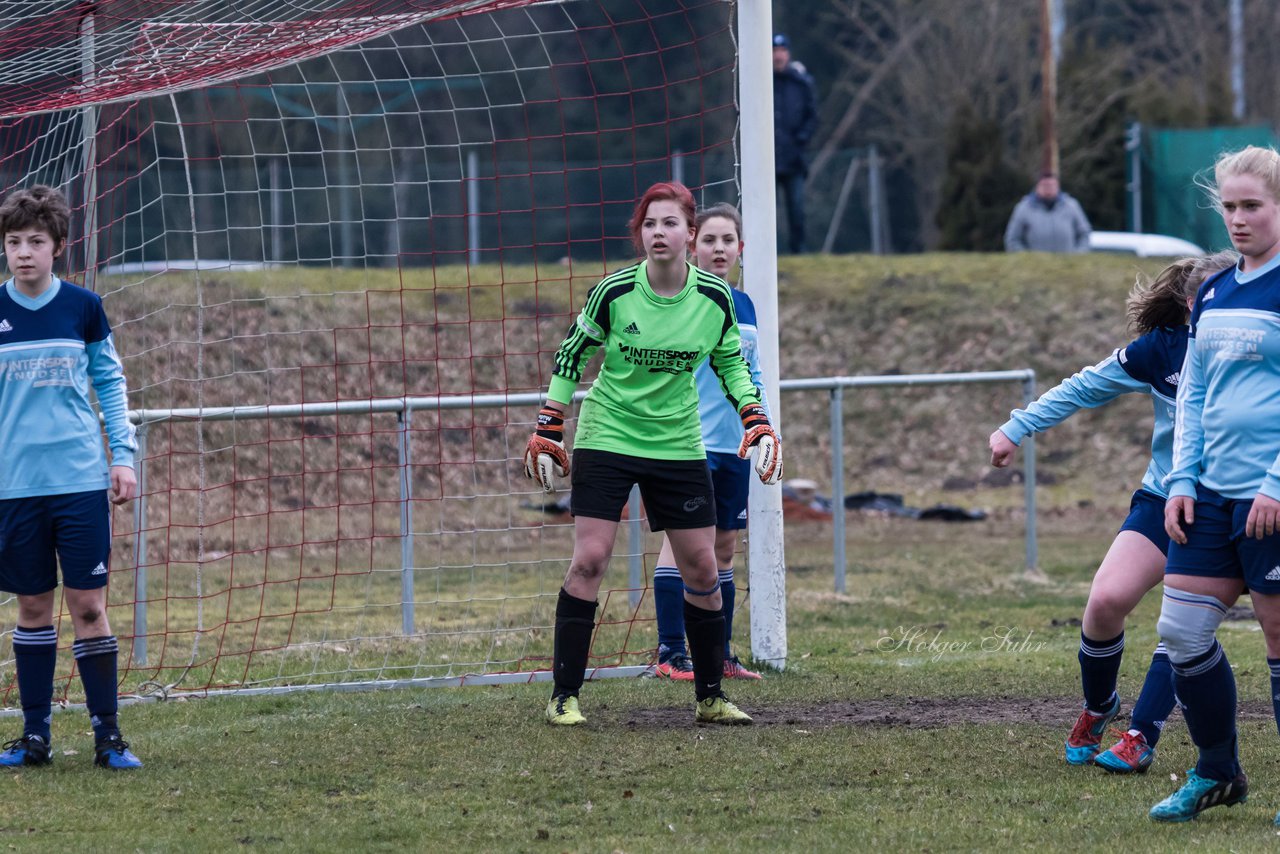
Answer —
544 456
758 433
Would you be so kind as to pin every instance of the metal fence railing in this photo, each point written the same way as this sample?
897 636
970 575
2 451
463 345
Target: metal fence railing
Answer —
403 408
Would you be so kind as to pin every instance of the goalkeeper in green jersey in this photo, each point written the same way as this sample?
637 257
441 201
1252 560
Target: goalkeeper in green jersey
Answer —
639 424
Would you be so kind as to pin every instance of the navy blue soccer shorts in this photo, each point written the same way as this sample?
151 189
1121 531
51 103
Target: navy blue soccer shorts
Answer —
731 479
676 493
41 532
1217 547
1146 517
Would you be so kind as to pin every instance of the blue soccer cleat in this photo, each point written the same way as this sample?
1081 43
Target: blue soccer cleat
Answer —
1086 736
1130 755
113 752
28 750
1200 793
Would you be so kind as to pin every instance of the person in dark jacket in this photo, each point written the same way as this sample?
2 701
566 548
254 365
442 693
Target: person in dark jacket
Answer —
1047 220
795 117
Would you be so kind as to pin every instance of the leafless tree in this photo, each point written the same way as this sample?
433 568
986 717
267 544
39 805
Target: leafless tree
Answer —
906 66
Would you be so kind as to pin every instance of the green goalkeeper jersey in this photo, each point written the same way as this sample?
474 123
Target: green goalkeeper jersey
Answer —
644 402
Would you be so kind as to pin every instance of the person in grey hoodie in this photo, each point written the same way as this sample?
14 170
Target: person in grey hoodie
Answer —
1047 220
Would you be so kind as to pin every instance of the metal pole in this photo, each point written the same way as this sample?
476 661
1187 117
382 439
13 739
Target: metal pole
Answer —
1236 16
766 556
140 550
346 150
1029 480
677 166
837 216
1133 144
837 485
406 525
473 207
875 201
277 210
89 154
635 544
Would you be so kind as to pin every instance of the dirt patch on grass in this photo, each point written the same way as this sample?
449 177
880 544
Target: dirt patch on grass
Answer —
910 712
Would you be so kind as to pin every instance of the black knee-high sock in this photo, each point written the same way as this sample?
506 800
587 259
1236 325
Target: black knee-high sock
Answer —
96 658
35 656
1099 667
728 593
575 622
1206 688
705 630
1155 701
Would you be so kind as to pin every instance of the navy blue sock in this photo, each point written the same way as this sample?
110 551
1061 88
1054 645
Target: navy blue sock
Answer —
668 605
706 645
1273 664
96 659
1206 688
35 655
1155 702
1099 667
728 592
575 623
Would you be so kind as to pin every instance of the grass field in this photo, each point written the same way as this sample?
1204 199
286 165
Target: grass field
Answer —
923 710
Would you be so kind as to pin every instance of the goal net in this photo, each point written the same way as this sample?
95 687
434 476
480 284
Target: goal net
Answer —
339 242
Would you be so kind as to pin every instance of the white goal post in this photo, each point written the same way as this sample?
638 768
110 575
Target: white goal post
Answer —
767 558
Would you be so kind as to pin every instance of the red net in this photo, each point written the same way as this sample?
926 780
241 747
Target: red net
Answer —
342 210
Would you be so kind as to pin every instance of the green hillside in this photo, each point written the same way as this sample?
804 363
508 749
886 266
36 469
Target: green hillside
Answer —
311 334
959 312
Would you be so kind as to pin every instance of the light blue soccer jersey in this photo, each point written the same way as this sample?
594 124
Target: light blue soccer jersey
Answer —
721 424
1151 365
1227 435
52 348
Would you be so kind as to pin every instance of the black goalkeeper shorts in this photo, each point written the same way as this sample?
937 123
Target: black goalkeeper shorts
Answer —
677 493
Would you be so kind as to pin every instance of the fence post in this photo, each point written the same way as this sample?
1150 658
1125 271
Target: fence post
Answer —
837 485
1029 478
837 216
140 550
635 543
1133 145
473 207
404 416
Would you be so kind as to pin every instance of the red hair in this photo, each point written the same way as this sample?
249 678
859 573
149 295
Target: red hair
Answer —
663 191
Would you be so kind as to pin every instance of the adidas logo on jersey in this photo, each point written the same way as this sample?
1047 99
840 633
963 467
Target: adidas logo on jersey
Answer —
632 329
1172 379
6 326
101 569
1208 296
1274 574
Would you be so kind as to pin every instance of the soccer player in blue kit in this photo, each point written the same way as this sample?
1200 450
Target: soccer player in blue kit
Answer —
1224 489
1135 562
717 245
56 486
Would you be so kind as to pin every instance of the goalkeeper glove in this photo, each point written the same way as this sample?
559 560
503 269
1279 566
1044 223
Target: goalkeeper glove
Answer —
759 434
545 453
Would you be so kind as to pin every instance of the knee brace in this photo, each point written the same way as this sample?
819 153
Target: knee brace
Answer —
1187 623
692 592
